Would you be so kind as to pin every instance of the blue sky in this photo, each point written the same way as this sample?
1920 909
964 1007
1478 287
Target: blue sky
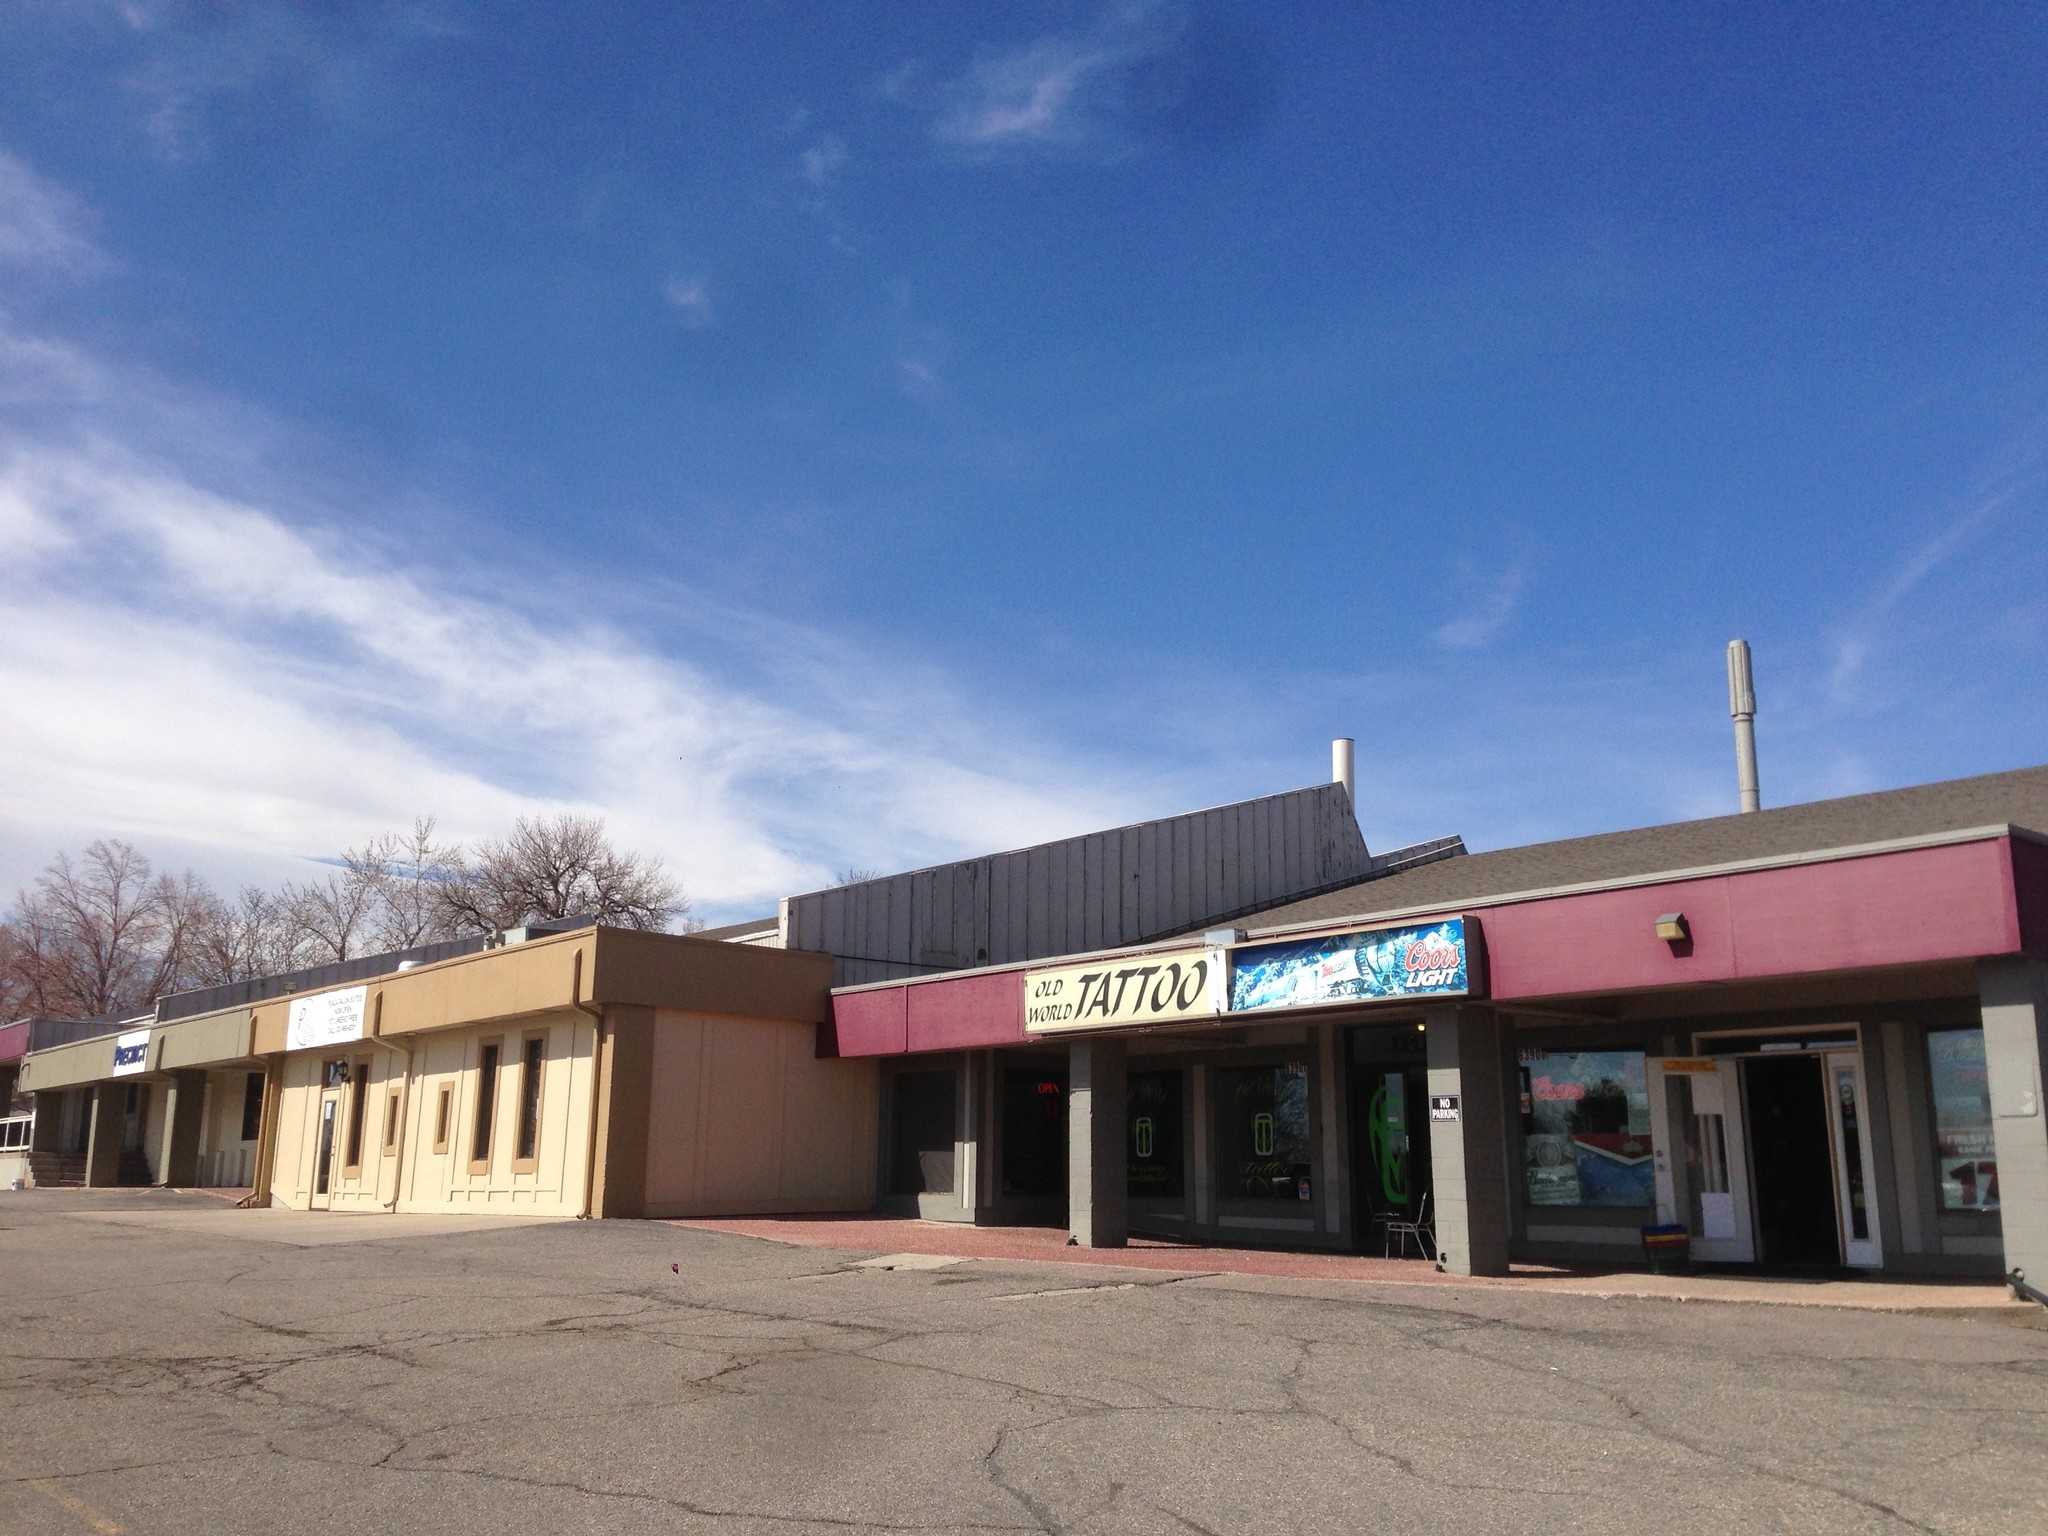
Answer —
825 435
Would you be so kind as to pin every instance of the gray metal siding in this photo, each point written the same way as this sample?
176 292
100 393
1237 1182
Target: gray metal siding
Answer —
1127 885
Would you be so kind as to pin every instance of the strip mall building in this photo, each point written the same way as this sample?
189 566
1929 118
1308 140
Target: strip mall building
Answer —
1812 1036
594 1071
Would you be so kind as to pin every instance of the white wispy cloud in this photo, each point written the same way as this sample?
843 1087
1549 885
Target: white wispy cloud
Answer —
42 226
191 63
1030 95
219 670
822 159
1061 91
1143 75
1864 633
690 298
1487 614
921 353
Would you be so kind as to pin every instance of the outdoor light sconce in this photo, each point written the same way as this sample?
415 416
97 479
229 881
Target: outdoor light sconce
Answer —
1672 928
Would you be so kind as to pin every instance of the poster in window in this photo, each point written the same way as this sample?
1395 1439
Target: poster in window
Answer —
1586 1129
1966 1160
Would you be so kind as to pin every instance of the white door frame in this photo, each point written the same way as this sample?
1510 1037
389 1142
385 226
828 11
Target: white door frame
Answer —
1841 1069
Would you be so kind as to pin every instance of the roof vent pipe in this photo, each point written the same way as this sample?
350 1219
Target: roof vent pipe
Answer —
1343 755
1742 706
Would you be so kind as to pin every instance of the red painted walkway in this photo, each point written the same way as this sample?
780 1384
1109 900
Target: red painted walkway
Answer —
954 1239
959 1240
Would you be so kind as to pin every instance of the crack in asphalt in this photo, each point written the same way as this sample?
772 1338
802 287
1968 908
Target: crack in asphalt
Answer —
1307 1365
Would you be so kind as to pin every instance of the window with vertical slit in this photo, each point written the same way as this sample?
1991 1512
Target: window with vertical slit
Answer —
486 1108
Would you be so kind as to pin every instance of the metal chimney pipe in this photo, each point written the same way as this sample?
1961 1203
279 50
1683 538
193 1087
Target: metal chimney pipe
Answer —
1742 706
1343 755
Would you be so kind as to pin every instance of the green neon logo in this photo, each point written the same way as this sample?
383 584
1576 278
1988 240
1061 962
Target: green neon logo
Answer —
1389 1147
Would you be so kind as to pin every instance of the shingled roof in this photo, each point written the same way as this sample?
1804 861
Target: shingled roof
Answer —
2018 798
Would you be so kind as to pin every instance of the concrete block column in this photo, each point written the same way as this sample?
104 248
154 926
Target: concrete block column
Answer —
1097 1170
2014 997
184 1118
103 1135
1467 1156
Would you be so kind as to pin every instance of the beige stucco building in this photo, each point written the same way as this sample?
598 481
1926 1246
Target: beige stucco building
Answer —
598 1071
595 1072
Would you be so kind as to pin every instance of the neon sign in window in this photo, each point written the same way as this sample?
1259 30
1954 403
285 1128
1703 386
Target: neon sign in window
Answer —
1153 1111
1263 1132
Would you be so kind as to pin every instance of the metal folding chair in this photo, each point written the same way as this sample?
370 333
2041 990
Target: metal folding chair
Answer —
1421 1229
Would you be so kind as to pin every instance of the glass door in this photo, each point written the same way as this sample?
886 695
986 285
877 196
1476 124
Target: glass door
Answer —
323 1151
1849 1122
1717 1167
1389 1119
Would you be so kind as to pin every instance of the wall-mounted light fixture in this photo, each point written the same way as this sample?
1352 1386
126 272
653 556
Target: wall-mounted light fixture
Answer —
1672 928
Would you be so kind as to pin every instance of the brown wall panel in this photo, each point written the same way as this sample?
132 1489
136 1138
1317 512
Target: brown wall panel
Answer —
625 1091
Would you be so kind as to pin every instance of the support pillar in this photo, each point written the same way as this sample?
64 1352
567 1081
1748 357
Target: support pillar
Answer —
46 1134
2014 996
970 1167
266 1131
103 1135
1467 1156
1097 1165
184 1118
625 1114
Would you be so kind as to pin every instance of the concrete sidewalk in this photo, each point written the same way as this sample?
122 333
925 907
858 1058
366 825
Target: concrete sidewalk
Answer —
960 1241
201 1213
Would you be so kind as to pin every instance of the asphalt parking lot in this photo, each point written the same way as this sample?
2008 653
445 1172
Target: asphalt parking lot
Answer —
174 1367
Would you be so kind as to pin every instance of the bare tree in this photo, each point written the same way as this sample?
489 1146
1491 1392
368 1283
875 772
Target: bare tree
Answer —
27 958
332 917
182 902
553 867
856 876
239 940
406 873
102 934
13 976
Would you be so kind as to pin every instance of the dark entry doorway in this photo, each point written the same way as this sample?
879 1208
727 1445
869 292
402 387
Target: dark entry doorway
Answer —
1389 1091
1034 1165
134 1117
1794 1170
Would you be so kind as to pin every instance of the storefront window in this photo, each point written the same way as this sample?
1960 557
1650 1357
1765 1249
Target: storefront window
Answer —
1262 1126
922 1133
1965 1159
1586 1129
1153 1123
